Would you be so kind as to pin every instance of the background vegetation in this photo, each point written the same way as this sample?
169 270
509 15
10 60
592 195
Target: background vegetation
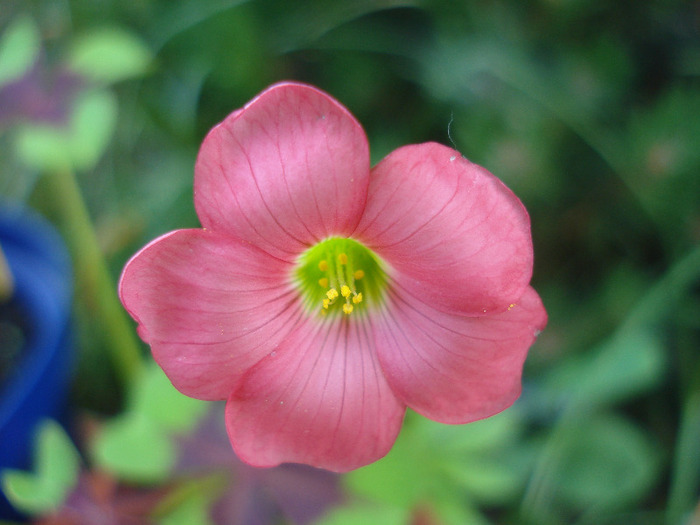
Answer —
589 110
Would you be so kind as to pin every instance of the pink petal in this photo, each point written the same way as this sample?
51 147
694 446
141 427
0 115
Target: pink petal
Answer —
210 307
453 234
321 400
284 172
456 369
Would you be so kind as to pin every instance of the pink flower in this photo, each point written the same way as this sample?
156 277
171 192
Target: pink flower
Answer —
321 297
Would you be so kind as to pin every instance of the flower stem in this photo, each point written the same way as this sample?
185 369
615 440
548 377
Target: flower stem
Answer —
97 288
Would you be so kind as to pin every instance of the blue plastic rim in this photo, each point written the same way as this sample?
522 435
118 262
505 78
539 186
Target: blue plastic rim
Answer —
38 387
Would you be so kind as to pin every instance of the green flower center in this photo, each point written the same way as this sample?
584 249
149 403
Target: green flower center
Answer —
340 275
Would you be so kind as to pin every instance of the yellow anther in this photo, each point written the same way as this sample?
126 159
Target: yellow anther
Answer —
511 306
332 278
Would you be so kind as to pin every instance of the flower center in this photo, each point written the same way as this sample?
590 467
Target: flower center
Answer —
340 275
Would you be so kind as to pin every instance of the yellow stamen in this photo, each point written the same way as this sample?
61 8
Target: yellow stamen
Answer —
335 273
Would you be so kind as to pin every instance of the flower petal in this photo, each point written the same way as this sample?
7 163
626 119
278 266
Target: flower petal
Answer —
452 232
456 369
287 170
321 400
210 307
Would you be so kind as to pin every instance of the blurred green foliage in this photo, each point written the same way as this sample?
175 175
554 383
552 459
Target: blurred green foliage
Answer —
57 465
137 445
589 110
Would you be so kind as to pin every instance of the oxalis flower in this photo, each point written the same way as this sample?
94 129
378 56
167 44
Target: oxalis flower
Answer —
321 298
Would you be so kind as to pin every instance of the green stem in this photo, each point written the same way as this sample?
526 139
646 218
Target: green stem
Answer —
93 278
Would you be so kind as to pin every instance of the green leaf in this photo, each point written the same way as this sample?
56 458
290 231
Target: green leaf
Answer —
435 462
685 479
360 515
19 48
474 438
194 509
134 449
42 147
455 511
109 55
80 146
157 399
485 479
403 477
632 361
605 461
92 124
190 500
137 446
57 465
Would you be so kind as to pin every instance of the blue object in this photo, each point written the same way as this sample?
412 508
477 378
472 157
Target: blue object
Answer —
37 387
